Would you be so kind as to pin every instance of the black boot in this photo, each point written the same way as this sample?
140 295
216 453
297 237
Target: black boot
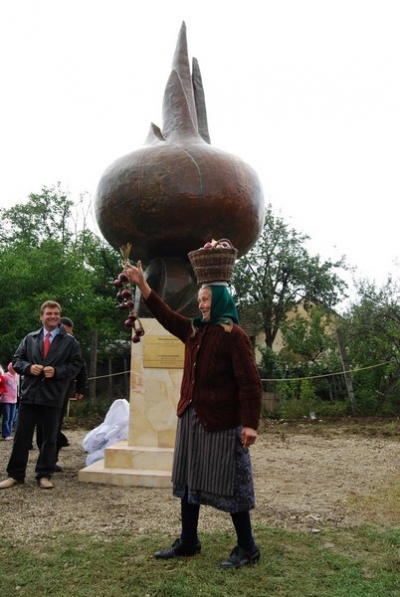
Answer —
178 549
240 557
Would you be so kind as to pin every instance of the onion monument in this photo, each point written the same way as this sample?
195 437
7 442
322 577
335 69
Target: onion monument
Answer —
178 191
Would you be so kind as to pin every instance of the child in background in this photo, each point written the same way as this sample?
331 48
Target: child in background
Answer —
9 402
2 386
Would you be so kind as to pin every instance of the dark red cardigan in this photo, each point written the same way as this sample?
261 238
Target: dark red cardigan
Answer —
220 377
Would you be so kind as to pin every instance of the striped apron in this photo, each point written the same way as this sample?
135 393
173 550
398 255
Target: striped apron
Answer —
213 465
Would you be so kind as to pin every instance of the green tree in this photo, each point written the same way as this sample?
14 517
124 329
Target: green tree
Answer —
372 336
277 273
308 338
45 255
310 351
44 216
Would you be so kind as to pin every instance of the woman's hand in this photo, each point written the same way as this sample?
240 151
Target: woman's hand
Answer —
135 273
136 276
249 436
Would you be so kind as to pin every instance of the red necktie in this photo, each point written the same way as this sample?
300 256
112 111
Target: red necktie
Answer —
46 344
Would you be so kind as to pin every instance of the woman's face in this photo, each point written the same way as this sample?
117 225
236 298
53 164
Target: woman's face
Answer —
205 302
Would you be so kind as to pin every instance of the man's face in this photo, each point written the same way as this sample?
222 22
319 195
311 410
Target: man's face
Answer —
51 318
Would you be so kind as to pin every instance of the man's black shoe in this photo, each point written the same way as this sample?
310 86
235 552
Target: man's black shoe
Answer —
178 549
240 557
58 468
62 440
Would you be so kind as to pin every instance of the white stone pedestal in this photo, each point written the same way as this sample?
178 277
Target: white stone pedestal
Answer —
145 459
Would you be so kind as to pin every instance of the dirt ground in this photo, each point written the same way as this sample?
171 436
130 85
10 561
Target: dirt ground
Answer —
305 475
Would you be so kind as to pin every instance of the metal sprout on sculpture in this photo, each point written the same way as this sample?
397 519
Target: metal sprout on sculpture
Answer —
178 191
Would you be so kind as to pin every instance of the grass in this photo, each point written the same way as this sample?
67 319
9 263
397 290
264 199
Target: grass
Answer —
381 506
362 561
354 561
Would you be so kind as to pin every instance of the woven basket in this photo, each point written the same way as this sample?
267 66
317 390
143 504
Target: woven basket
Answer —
213 265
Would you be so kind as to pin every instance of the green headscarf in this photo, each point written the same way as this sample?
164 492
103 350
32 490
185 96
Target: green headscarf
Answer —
223 309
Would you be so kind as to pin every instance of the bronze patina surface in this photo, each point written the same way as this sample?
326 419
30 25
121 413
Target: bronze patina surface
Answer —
178 191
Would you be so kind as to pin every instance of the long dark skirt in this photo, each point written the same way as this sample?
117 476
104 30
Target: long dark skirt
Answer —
213 465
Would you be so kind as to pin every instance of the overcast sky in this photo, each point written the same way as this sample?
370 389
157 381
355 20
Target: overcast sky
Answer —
306 91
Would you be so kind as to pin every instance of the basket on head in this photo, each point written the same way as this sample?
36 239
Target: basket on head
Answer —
215 264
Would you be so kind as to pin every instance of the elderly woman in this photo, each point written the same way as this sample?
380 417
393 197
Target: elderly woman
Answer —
218 410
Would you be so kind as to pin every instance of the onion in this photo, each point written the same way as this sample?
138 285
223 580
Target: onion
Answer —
177 190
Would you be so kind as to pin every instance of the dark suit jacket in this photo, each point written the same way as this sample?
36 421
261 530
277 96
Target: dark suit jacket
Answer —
64 355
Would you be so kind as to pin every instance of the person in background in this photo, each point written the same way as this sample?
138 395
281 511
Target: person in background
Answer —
47 359
76 391
218 415
9 402
2 386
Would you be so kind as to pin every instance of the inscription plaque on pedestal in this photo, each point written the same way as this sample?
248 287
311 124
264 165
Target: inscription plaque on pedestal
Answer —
164 352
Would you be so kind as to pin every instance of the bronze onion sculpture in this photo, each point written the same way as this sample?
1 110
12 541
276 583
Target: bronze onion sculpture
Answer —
178 191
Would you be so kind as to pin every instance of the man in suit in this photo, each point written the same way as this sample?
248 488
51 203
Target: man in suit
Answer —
47 359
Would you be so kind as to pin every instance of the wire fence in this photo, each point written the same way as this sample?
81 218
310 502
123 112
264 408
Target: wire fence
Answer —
350 371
